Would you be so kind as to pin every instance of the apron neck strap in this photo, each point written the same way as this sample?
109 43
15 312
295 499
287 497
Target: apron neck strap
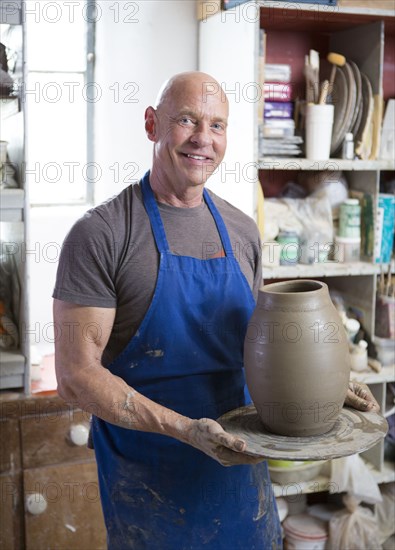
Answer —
154 215
157 224
219 222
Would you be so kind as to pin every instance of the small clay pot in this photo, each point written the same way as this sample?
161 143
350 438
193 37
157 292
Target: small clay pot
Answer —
296 358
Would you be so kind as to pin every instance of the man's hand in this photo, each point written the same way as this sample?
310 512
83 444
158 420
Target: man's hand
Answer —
360 397
209 436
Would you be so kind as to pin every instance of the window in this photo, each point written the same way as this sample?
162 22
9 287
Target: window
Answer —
60 94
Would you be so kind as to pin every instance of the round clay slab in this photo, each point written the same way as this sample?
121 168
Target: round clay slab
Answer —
354 431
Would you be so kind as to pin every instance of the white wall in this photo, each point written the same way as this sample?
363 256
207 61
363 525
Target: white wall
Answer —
47 230
227 41
136 55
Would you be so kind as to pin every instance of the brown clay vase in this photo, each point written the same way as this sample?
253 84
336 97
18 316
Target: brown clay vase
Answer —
296 358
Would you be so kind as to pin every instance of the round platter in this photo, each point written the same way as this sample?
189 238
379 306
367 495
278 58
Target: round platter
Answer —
339 99
344 99
356 120
354 431
363 136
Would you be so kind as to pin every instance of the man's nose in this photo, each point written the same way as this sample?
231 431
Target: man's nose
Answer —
202 135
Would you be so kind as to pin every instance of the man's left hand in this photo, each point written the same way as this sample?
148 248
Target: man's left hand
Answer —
361 398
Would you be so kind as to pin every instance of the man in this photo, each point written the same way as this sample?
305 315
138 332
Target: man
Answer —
158 331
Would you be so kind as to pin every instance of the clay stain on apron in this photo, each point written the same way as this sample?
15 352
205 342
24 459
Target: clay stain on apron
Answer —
155 353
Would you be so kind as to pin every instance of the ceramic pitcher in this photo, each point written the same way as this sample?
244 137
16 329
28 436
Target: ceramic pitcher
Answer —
296 358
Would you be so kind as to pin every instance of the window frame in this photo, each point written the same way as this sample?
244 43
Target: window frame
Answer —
89 75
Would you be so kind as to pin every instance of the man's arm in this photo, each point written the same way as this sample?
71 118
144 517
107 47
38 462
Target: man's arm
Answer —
82 335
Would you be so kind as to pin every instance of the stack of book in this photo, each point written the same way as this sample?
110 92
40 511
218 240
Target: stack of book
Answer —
277 133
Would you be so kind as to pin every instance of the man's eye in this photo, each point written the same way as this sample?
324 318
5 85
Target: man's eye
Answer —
218 126
186 120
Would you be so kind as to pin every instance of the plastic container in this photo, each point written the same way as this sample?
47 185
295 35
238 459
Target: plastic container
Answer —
347 250
352 327
385 316
297 504
385 350
295 472
271 251
350 219
359 356
348 146
304 532
289 241
319 123
323 511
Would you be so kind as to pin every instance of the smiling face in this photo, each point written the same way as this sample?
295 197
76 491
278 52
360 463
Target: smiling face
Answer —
189 132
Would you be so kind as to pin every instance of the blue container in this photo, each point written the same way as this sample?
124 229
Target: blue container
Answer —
386 206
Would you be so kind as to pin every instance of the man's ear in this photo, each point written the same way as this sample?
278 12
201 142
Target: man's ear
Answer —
151 123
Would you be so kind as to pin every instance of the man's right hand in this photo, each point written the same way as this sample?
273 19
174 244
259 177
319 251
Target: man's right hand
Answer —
208 436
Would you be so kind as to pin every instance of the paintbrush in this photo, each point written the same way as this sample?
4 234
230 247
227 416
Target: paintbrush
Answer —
337 60
382 280
314 61
387 286
324 92
308 73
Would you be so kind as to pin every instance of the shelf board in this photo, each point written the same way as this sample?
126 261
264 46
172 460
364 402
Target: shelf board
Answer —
322 483
11 198
11 363
11 205
386 475
12 369
270 163
337 10
320 18
322 269
387 374
319 484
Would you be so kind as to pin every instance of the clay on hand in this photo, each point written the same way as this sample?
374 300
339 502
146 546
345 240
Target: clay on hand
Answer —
208 436
361 398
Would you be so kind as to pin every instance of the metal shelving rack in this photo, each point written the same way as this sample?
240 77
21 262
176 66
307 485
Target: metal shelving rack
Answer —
14 207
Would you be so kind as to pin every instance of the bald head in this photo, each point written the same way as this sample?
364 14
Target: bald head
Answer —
188 127
200 83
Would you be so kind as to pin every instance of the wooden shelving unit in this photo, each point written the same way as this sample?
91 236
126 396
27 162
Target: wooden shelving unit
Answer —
322 482
229 49
14 210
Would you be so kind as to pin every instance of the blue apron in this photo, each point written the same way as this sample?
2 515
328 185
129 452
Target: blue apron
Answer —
158 493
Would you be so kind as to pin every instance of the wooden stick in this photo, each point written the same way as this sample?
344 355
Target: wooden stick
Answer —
337 60
387 286
382 281
324 92
374 364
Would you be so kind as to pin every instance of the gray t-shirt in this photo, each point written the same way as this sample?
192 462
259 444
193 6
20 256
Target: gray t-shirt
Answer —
109 258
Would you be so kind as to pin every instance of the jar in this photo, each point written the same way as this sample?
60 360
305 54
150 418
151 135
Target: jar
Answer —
348 146
350 219
304 532
296 358
289 242
347 249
